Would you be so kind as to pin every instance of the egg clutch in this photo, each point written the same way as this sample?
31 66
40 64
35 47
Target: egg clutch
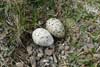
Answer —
43 37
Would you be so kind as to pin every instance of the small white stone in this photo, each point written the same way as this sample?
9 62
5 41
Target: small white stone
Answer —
49 51
55 27
92 9
20 64
96 55
42 37
29 50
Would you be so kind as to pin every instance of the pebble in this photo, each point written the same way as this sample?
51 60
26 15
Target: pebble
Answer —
29 50
66 48
20 64
33 61
90 45
44 62
39 53
96 55
49 51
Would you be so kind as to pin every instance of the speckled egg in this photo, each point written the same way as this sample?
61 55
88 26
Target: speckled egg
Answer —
55 27
42 37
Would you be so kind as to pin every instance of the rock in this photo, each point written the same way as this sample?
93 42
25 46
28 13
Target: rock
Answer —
20 64
97 56
61 47
42 37
49 51
55 27
29 50
39 53
66 48
33 61
44 62
90 45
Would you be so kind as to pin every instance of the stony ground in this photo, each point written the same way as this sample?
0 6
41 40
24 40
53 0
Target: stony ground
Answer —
79 48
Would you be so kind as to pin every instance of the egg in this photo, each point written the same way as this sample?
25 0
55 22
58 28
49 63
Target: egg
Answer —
55 27
42 37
